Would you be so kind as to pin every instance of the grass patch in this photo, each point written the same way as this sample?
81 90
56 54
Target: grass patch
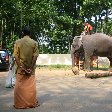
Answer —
58 66
104 68
67 67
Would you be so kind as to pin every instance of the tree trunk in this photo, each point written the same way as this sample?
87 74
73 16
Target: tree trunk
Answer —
95 24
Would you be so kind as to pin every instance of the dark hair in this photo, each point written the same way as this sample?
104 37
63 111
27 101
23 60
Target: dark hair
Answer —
26 31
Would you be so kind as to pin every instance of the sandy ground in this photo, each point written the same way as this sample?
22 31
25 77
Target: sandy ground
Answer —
62 91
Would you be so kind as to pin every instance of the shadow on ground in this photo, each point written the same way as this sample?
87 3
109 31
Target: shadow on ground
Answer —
57 93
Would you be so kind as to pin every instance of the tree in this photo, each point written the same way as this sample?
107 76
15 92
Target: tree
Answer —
52 21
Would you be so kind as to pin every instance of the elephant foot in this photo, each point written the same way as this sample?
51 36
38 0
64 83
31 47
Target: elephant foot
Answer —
91 69
110 69
88 70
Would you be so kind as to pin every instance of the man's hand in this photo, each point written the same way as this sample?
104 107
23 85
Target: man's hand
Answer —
29 70
22 68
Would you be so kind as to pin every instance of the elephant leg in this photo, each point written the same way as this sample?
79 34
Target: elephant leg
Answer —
87 63
76 60
110 68
73 60
91 62
95 58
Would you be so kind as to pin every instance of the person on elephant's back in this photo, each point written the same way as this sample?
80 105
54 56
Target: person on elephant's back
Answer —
88 28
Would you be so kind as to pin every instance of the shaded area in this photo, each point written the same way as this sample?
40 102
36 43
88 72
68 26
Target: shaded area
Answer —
60 91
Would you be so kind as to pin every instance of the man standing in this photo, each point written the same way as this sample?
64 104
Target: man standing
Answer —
25 53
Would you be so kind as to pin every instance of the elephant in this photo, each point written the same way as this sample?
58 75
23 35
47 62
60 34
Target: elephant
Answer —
97 44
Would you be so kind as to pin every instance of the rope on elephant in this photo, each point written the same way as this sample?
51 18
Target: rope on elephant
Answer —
93 75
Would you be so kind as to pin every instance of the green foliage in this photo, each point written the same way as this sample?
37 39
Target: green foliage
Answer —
56 20
10 42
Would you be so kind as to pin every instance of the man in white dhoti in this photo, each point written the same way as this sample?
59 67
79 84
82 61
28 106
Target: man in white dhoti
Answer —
10 80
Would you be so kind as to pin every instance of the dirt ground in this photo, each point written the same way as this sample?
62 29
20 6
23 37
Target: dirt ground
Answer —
59 90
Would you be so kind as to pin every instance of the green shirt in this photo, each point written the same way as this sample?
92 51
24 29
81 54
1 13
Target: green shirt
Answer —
24 50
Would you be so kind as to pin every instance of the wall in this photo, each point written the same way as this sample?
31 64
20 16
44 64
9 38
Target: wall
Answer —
63 59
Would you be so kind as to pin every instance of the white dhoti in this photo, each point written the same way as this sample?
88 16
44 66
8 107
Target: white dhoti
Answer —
10 79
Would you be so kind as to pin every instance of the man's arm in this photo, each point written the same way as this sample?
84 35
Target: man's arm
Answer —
33 62
35 55
16 54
